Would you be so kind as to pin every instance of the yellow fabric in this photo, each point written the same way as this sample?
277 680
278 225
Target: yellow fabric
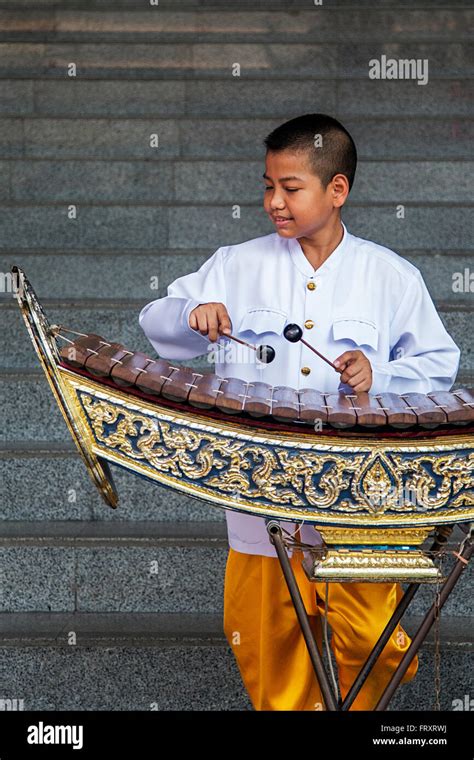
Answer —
261 626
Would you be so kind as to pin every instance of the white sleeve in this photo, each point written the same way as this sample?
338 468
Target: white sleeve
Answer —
424 356
165 321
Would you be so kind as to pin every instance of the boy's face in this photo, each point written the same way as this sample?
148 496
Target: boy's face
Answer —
297 196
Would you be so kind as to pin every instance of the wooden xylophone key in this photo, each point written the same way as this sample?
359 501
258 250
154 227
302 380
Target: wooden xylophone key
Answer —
312 405
77 352
102 362
368 410
466 397
178 385
399 415
231 394
452 405
341 413
258 399
125 372
205 391
427 413
153 377
285 403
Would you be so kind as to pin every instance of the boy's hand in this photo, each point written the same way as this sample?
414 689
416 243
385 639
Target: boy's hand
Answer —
211 319
357 370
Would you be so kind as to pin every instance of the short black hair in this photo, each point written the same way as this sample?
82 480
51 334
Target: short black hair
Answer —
336 155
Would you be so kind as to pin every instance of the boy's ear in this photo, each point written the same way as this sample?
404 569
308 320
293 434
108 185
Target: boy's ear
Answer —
340 189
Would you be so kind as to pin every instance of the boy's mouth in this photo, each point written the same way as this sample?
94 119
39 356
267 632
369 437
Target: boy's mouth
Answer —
282 221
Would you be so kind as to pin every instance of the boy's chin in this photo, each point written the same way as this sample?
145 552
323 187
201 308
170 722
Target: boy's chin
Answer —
287 232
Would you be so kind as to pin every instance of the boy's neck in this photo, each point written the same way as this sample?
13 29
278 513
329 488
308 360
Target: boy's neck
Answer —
319 246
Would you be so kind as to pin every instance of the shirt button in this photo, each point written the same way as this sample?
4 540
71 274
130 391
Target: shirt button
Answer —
311 286
309 324
305 370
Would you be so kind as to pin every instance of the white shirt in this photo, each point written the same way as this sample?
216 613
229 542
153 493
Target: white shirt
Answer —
367 297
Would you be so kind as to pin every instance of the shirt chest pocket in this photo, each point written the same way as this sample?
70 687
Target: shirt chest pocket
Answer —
260 319
362 332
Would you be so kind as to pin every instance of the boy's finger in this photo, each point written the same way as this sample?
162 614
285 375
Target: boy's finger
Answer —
361 387
224 321
202 322
343 358
213 332
356 379
351 371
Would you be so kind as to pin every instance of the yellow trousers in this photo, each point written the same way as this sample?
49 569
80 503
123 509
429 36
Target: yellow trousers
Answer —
263 631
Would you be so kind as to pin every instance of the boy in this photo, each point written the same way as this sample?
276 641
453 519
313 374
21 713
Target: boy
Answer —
360 304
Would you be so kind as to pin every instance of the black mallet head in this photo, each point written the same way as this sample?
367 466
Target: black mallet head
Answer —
265 354
293 333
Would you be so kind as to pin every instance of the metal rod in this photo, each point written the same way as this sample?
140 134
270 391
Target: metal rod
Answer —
379 646
425 627
440 539
275 532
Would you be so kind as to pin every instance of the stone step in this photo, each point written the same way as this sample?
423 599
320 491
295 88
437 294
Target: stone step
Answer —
122 139
142 567
48 482
137 573
198 22
39 59
170 662
237 97
163 629
222 5
168 531
175 181
114 227
139 276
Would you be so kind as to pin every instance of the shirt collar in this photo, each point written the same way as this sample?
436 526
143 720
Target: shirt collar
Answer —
301 262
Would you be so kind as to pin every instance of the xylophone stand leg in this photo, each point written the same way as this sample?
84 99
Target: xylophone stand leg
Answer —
464 555
442 535
276 538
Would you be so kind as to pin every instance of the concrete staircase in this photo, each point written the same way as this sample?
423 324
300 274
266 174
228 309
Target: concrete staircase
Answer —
122 609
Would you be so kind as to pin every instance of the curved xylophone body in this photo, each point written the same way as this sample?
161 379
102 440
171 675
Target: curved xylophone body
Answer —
374 473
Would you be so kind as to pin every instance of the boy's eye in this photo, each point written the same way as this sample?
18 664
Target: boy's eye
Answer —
288 189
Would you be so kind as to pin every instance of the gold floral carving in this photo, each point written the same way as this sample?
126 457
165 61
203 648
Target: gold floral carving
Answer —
267 473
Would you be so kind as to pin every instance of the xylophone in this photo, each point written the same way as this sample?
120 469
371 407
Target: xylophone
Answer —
374 473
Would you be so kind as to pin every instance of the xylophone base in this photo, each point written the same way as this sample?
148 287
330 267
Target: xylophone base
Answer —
371 555
385 566
463 556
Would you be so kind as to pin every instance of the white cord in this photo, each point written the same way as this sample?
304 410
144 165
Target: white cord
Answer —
298 526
